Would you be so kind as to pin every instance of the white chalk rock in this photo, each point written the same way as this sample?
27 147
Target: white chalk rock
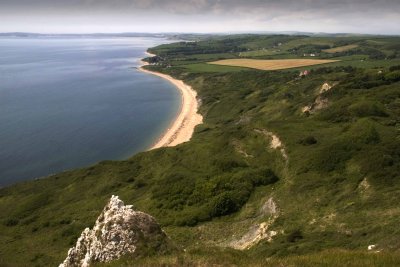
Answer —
119 230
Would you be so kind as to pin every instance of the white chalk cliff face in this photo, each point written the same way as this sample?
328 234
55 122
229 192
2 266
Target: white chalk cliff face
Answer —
119 230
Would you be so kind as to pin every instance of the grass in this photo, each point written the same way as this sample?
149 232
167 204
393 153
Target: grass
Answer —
203 67
277 64
328 258
260 53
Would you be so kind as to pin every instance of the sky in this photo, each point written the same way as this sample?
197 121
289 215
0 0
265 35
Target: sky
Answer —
203 16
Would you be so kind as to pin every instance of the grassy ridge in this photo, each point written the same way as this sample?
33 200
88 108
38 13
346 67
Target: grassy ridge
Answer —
338 187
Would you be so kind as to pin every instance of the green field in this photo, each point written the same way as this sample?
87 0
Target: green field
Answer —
203 67
334 185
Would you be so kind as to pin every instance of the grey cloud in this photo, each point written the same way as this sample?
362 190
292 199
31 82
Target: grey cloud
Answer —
205 6
227 14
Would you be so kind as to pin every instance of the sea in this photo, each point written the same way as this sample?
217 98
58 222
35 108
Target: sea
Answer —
67 103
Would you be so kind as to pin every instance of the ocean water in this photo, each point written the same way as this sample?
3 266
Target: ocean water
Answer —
69 103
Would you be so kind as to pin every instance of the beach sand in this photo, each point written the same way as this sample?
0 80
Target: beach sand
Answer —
181 130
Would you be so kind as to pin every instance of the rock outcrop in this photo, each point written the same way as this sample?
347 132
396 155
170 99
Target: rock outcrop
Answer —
260 231
320 101
275 143
119 230
255 234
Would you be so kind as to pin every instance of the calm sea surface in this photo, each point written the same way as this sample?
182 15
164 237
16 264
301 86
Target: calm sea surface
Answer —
68 103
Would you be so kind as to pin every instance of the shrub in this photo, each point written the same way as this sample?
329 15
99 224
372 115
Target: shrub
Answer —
366 109
226 164
381 165
363 132
139 183
11 222
65 221
294 236
308 141
223 204
393 68
334 156
393 76
263 177
335 113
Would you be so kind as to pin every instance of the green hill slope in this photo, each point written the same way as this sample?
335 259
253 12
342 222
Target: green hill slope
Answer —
282 166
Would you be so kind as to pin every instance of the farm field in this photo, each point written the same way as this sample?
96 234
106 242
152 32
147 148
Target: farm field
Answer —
277 64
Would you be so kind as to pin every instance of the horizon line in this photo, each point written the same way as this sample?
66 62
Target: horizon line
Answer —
202 33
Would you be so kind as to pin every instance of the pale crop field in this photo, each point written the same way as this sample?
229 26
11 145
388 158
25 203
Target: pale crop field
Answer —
340 49
273 64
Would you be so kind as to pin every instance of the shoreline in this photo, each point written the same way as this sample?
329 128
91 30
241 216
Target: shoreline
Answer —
182 127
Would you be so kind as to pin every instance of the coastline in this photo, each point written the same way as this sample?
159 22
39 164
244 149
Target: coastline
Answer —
182 128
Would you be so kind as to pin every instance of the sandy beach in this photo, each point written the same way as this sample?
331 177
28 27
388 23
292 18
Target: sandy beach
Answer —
182 128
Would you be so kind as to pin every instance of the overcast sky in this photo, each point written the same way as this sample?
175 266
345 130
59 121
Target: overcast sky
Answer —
88 16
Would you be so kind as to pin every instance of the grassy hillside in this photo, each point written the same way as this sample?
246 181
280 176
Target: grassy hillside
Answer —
327 192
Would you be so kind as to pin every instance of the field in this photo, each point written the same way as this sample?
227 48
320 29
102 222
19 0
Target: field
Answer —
276 64
340 48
